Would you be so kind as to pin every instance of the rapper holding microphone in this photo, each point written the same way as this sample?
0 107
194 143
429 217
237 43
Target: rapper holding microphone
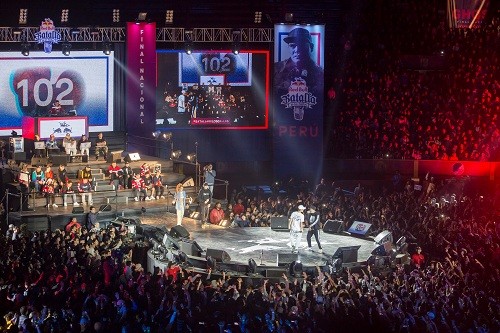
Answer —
314 228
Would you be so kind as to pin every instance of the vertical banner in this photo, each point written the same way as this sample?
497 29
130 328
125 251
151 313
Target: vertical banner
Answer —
298 100
141 83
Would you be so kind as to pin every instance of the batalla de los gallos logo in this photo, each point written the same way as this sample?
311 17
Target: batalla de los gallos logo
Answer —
298 98
47 35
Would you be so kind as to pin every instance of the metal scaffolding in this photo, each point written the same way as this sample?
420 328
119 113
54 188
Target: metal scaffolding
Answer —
118 34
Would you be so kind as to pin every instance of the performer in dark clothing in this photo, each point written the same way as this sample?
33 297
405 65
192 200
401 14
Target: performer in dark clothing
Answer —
128 173
314 227
91 221
204 198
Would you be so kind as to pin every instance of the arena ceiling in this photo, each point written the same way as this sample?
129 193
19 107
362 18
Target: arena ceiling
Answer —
187 13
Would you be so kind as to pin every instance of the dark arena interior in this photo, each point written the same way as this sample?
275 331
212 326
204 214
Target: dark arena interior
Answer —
259 166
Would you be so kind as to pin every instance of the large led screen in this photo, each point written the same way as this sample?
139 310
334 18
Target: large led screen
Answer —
212 89
81 82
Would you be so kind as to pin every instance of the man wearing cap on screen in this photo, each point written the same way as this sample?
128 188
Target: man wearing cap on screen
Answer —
296 226
300 64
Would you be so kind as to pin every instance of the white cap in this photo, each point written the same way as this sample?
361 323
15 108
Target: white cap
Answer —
302 207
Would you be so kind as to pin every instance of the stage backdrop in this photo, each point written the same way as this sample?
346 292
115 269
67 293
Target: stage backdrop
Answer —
141 81
298 100
82 82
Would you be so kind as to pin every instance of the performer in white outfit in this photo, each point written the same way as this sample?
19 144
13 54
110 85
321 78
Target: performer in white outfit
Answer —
296 226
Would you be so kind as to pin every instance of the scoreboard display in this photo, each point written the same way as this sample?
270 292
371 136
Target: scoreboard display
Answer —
30 86
212 89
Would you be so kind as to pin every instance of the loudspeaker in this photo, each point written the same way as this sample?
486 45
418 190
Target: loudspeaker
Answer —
36 222
333 227
39 161
131 157
77 210
274 273
105 208
179 231
383 237
347 253
191 248
19 156
218 255
59 159
188 182
114 156
279 223
284 259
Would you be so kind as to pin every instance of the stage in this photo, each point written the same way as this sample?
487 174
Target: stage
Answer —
269 249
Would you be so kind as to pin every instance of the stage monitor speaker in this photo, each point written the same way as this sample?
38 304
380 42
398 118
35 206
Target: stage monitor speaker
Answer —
333 227
114 156
188 182
77 210
279 223
383 237
36 222
347 253
274 273
284 259
59 159
218 255
179 231
191 248
39 161
105 208
20 156
132 157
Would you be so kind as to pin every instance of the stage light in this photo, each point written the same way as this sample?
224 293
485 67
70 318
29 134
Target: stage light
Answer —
17 32
188 38
66 49
225 223
296 268
211 263
236 41
252 266
25 49
176 154
257 17
23 16
64 15
289 17
116 15
169 17
156 134
106 48
194 215
167 136
142 17
191 157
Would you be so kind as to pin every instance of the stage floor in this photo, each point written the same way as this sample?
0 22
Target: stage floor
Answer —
259 243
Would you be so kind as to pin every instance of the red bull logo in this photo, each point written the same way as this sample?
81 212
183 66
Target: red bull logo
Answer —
47 35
